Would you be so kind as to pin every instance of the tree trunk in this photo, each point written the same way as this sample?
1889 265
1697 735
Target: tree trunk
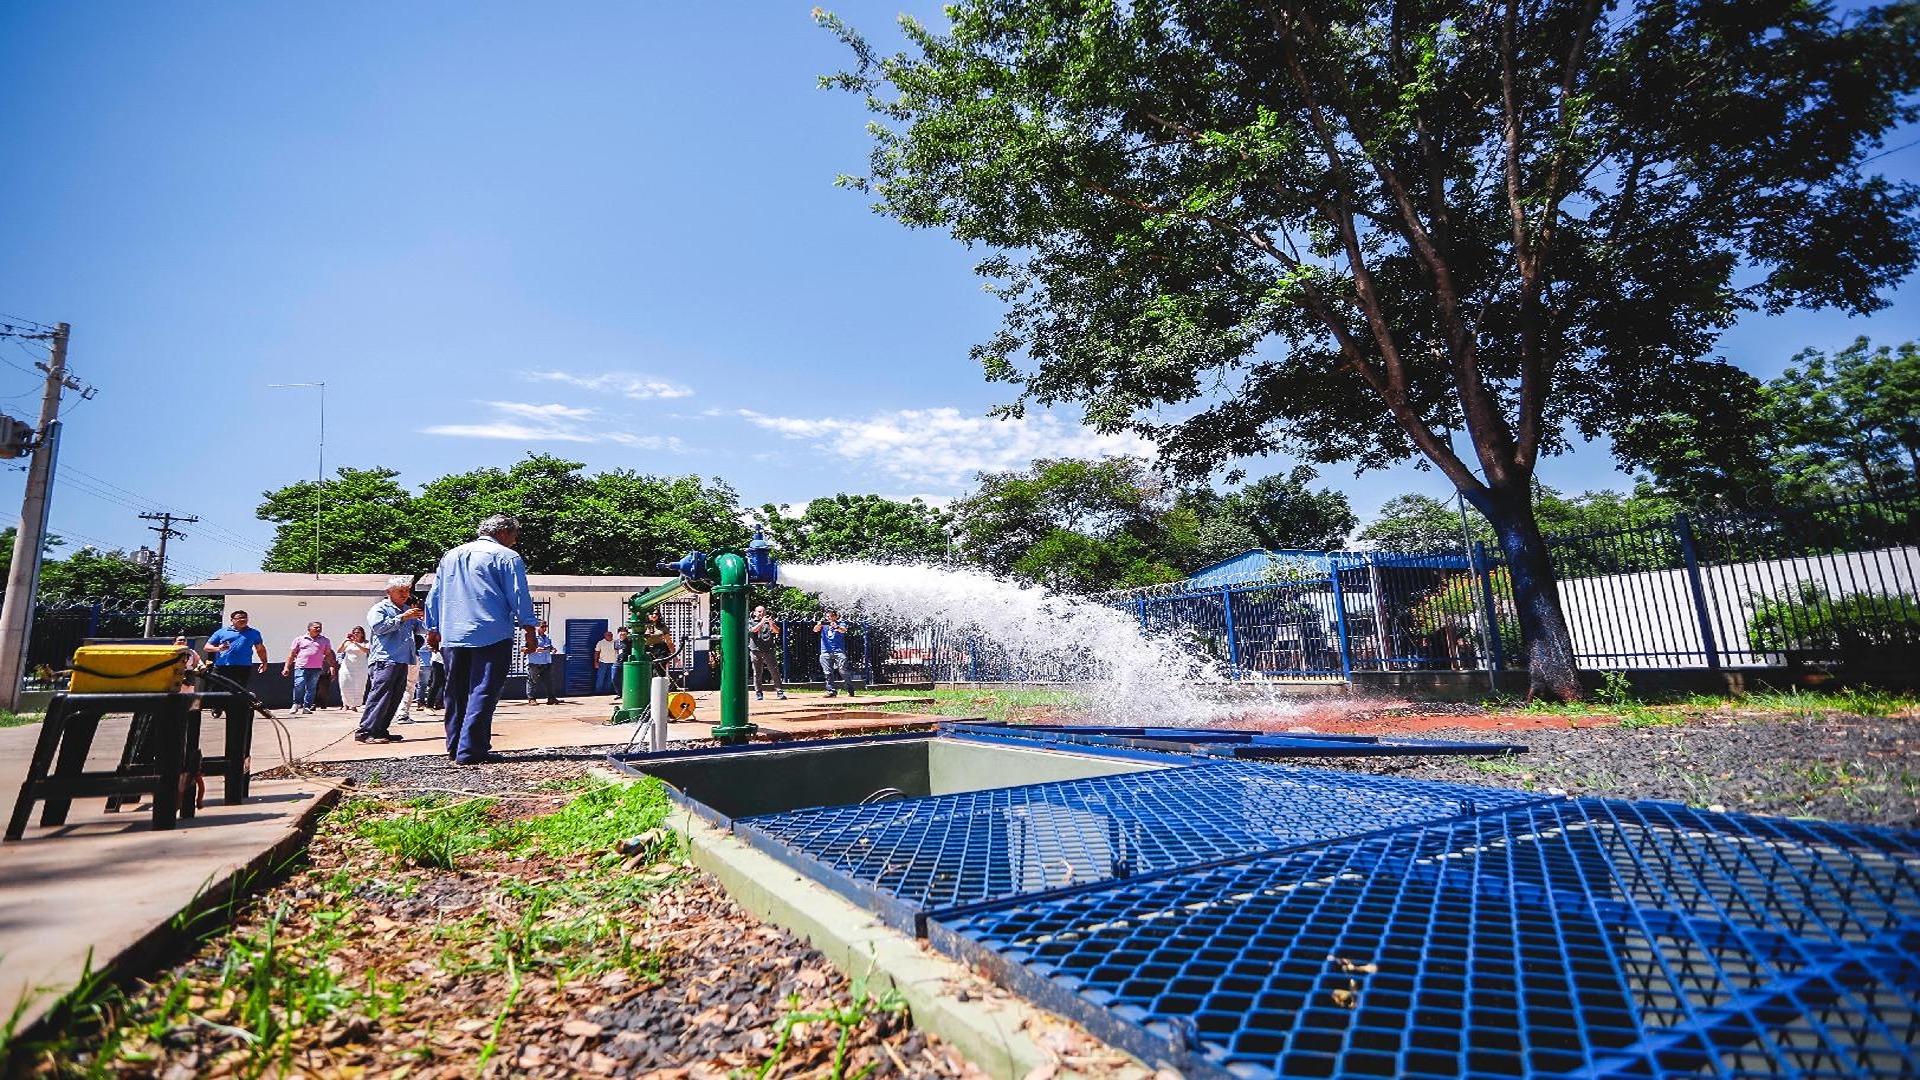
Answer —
1543 623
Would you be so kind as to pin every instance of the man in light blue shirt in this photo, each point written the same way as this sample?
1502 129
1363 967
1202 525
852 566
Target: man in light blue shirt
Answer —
479 595
540 671
391 624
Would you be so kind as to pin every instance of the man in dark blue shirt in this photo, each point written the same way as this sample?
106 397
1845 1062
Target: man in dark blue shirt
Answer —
237 651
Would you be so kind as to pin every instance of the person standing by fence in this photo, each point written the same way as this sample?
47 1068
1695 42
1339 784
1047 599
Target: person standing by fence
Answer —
763 640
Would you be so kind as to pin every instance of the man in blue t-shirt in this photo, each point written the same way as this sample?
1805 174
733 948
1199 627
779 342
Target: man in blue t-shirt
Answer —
237 651
833 652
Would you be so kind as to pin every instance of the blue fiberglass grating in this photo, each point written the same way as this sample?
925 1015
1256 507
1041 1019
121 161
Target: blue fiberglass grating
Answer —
1573 938
918 856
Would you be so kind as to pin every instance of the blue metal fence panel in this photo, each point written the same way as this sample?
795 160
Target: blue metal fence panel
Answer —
920 856
1572 938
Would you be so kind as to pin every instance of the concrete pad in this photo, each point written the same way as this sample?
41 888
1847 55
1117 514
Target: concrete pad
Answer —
109 886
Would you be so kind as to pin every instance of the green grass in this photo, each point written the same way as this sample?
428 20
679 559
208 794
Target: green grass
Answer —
269 991
991 704
1616 699
434 833
14 719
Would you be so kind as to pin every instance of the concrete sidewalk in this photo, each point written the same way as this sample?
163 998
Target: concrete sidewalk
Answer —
109 885
327 736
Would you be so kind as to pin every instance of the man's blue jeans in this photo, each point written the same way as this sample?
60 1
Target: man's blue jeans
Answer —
832 663
603 678
306 680
475 677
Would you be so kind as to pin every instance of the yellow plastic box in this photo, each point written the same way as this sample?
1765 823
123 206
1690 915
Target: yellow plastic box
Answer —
127 669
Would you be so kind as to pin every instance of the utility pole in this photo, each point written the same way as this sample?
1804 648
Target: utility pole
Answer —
165 529
23 577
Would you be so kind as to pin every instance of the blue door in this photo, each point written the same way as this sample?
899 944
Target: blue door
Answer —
582 634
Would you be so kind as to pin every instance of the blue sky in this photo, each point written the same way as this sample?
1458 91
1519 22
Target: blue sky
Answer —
607 231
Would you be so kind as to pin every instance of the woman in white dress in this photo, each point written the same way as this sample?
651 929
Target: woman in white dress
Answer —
353 668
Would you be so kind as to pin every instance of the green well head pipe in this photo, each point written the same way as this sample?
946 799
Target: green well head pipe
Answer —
732 595
638 674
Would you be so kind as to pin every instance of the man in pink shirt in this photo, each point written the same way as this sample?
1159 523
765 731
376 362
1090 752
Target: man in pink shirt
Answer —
307 662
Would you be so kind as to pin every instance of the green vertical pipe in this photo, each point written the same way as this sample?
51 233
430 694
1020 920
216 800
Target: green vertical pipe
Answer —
637 676
731 592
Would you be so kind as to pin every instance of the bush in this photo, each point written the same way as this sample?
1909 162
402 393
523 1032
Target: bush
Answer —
1811 620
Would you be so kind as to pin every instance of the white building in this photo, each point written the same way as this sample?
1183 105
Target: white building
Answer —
578 608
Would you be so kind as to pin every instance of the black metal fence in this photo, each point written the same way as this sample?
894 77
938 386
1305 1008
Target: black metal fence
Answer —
63 626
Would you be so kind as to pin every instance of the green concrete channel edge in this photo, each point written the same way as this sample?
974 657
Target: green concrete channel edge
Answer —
989 1027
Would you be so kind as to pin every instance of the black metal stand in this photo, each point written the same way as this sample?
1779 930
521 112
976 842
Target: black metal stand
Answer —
161 758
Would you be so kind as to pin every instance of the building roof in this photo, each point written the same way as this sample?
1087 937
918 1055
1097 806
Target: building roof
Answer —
266 584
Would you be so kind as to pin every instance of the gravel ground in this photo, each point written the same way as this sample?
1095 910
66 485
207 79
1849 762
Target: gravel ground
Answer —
1859 769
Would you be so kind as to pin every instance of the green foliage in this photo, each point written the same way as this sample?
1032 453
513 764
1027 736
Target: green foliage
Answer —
615 522
1828 427
1454 605
1274 513
861 1005
1069 524
856 527
1810 619
13 719
600 816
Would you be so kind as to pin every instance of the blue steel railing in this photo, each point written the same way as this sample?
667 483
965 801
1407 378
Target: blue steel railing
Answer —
1757 588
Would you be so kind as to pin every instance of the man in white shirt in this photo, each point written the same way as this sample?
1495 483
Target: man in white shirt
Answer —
606 665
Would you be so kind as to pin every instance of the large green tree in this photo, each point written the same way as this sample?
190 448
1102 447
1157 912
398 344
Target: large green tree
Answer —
1831 426
856 527
615 522
1274 513
1070 524
1373 230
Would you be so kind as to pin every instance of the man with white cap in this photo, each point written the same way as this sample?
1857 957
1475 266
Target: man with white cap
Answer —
391 624
479 596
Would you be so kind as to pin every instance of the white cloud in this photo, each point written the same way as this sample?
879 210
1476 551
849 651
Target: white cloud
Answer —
625 383
530 422
943 447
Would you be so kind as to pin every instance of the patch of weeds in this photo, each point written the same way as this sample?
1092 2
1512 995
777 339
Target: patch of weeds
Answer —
433 833
349 813
601 816
14 719
1504 765
862 1004
1859 701
991 704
